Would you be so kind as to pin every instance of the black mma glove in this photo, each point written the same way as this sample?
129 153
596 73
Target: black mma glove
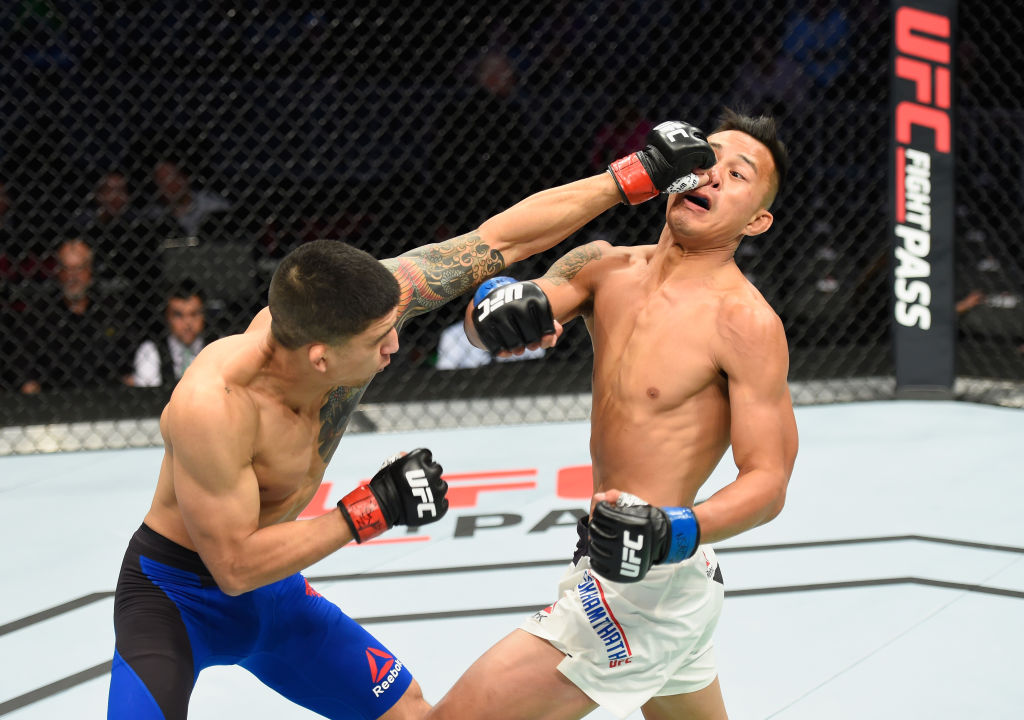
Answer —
674 150
509 314
630 536
407 490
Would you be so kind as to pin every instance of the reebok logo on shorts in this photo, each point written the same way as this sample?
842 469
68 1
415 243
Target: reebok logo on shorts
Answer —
384 669
545 613
713 572
310 591
603 622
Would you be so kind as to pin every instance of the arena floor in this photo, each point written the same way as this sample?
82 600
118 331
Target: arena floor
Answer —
892 585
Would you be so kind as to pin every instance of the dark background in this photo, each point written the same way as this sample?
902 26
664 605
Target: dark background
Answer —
393 124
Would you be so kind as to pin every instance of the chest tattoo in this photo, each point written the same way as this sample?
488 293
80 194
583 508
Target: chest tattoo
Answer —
335 413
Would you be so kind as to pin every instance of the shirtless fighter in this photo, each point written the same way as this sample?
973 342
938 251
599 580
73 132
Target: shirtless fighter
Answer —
212 576
688 357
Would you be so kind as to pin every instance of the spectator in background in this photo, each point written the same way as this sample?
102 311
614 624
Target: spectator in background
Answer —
126 243
110 222
75 342
113 200
163 360
190 208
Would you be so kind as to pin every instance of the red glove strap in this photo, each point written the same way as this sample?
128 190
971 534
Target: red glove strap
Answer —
634 183
361 511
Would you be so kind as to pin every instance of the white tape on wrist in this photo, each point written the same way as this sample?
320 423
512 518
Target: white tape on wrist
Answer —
684 184
392 459
628 500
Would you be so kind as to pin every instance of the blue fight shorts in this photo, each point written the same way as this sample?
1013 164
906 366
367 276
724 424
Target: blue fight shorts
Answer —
171 621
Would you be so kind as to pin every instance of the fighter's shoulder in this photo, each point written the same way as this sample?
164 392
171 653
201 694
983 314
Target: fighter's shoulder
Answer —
592 257
619 253
211 395
746 318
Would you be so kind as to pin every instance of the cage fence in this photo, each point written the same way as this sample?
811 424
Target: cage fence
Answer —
148 151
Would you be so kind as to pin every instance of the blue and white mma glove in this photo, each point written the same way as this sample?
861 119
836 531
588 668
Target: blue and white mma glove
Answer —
628 537
509 315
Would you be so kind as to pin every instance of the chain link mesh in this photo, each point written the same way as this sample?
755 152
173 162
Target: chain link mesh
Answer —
202 141
990 193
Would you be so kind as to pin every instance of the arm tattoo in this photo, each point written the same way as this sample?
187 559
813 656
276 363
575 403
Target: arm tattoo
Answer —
569 265
431 275
339 404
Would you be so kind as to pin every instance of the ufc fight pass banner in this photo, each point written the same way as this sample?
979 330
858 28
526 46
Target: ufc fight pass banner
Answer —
921 194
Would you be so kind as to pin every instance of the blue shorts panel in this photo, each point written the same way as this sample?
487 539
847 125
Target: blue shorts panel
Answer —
320 658
171 621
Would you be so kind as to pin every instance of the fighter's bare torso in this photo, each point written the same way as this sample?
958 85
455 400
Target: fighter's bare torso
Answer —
291 447
280 431
661 417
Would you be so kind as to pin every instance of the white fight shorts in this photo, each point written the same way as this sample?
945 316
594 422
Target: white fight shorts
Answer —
625 643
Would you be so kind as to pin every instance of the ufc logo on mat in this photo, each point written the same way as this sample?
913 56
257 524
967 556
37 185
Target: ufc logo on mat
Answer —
420 488
630 560
498 298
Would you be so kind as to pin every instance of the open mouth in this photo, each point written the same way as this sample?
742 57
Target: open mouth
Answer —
701 202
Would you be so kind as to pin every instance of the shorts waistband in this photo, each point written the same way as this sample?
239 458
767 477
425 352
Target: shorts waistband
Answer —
148 542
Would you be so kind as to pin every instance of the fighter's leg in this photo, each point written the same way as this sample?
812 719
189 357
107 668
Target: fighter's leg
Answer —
152 674
704 704
316 656
517 679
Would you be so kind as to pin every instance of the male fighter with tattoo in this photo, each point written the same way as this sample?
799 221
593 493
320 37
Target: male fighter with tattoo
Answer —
688 357
213 574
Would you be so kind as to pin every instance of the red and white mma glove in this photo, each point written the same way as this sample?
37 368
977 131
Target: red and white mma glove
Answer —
627 538
407 490
674 150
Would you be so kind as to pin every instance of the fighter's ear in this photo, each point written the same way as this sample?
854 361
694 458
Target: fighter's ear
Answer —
317 353
760 223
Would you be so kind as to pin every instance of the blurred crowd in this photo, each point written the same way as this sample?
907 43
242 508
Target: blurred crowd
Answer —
155 166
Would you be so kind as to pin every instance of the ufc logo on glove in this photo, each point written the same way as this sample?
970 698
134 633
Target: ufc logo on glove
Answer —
673 129
630 560
407 490
417 480
499 297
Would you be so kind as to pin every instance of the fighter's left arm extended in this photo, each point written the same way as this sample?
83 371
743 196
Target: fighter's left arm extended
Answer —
431 275
752 350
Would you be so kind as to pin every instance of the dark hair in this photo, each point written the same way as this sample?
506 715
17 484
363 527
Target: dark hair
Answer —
327 291
184 289
762 128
